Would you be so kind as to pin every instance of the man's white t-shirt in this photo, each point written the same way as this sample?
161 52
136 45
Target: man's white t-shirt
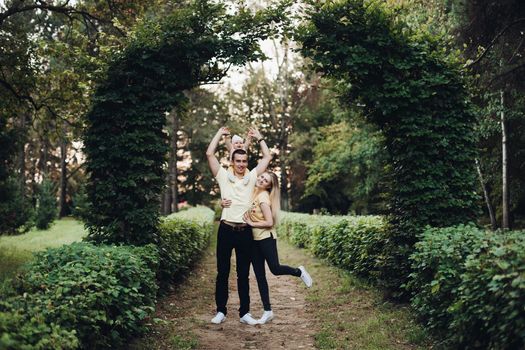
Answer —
238 192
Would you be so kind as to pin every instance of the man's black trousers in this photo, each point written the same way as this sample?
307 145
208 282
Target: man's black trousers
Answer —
239 239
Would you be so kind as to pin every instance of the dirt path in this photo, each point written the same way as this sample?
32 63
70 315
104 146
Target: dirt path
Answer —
188 310
338 312
290 329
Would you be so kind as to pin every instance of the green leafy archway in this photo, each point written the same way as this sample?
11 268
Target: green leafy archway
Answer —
124 143
413 90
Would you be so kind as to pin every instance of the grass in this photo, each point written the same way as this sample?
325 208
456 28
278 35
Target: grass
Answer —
17 250
351 313
64 231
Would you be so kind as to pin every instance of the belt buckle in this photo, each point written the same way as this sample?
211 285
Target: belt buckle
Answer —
238 228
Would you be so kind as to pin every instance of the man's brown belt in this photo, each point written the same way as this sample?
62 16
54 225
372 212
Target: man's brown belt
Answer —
236 225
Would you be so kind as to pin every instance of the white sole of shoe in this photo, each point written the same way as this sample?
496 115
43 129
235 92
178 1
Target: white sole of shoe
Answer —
268 320
219 322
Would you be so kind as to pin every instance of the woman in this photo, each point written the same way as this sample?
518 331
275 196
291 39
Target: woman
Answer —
263 218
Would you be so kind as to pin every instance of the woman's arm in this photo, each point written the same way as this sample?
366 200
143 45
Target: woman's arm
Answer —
268 219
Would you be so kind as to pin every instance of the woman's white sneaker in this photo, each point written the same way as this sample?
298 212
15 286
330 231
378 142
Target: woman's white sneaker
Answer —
219 318
305 276
266 317
248 319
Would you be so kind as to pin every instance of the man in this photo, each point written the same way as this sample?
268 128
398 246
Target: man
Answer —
233 232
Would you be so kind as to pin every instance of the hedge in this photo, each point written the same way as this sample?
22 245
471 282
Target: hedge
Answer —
350 242
87 296
183 236
469 286
95 296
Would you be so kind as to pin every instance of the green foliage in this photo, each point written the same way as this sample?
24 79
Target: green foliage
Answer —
16 212
99 294
346 169
489 312
412 89
124 143
80 203
437 264
21 332
46 209
299 228
353 243
182 237
469 286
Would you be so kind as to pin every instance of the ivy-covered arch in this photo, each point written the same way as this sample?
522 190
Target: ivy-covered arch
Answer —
414 91
124 143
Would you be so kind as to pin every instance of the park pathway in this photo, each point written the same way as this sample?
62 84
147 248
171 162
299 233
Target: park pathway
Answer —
338 312
184 315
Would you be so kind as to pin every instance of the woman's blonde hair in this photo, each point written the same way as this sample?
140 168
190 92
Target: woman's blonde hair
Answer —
275 197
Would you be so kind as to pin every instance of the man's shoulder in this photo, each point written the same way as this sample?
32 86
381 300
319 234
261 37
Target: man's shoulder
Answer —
221 173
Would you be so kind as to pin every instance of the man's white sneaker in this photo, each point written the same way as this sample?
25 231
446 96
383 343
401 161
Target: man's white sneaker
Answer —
248 319
266 317
219 318
305 276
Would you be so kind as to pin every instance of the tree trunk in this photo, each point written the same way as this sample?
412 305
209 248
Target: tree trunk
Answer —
163 204
22 156
173 162
63 176
493 223
166 195
504 166
43 156
285 200
285 104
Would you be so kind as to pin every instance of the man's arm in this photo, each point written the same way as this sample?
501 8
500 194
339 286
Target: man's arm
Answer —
267 157
213 162
228 143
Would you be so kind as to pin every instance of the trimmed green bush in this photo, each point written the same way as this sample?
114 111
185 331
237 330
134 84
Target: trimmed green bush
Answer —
101 293
354 244
469 286
490 311
299 228
438 262
182 237
350 242
88 296
19 330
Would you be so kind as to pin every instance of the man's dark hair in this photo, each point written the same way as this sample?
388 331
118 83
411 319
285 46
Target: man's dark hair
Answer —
238 151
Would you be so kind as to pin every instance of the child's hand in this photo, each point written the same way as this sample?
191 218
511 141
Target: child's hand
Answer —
226 203
224 131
